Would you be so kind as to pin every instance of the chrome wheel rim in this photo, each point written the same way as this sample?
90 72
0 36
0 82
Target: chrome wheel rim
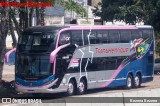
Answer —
129 82
137 81
70 88
81 86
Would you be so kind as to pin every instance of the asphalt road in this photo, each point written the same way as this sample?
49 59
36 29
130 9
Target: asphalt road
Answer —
8 74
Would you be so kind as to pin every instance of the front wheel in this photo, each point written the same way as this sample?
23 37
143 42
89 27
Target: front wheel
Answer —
137 81
71 88
82 87
129 82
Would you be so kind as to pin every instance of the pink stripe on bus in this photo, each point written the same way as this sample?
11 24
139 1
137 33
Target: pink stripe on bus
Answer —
54 53
113 76
103 27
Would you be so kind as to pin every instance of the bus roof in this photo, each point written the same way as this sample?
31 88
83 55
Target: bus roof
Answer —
56 27
43 28
112 27
144 26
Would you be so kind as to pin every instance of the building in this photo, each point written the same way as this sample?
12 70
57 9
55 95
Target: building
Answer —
81 20
54 15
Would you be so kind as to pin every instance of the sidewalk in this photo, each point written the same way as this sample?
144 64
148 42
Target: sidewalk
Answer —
8 72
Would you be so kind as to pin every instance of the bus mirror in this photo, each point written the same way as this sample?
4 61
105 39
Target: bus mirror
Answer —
8 54
54 53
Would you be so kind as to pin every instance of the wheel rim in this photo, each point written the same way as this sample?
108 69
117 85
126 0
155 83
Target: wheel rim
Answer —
81 87
129 82
70 88
137 81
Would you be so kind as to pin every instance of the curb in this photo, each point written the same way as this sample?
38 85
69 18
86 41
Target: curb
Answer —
125 96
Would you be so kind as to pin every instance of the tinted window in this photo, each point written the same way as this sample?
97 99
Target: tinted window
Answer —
76 38
64 38
150 59
113 36
135 34
105 63
125 36
33 66
90 37
111 64
102 36
147 34
37 43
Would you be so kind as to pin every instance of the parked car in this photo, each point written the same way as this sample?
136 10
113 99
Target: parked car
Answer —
157 66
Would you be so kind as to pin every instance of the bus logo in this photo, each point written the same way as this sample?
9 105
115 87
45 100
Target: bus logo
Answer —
139 46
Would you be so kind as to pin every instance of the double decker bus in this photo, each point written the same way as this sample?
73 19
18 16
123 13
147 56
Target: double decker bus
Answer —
72 59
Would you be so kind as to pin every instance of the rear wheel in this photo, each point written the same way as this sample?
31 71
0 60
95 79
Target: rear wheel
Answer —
137 81
82 87
129 82
71 88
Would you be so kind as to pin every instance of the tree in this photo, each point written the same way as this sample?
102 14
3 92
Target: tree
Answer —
8 21
131 11
4 19
151 10
73 6
119 10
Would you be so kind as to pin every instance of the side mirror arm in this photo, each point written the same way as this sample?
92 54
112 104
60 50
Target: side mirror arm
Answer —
8 54
54 53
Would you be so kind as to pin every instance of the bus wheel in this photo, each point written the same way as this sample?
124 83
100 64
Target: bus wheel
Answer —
71 88
129 82
137 81
82 87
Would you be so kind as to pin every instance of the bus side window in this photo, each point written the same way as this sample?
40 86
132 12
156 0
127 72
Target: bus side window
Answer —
64 38
92 37
113 36
102 36
135 34
125 36
105 38
146 34
76 38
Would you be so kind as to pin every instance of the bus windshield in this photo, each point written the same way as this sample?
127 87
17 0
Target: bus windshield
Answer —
33 66
37 42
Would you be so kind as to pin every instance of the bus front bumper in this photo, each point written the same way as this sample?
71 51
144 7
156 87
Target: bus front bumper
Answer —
41 89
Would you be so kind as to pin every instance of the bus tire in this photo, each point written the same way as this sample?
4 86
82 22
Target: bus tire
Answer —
82 87
71 88
137 81
129 81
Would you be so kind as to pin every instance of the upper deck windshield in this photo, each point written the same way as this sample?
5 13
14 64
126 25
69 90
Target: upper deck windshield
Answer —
37 42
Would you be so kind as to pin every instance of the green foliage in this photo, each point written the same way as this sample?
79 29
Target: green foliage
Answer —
131 11
121 10
74 6
97 11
